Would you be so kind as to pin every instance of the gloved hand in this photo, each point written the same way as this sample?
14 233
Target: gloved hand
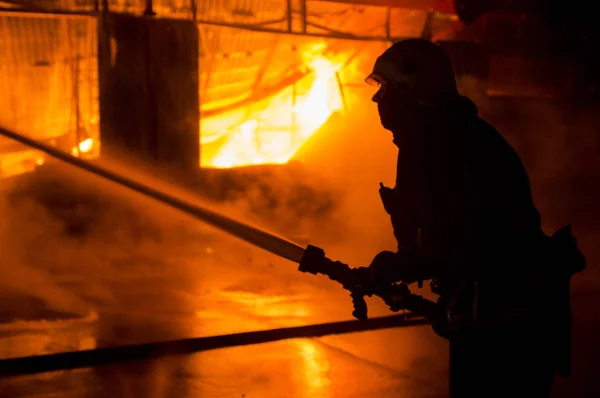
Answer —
384 268
378 273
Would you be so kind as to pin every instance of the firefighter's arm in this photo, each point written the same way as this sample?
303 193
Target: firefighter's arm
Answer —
446 231
403 266
446 255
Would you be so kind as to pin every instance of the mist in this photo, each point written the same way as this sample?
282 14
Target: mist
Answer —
27 236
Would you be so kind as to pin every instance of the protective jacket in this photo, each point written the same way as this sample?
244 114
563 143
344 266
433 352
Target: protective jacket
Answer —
464 217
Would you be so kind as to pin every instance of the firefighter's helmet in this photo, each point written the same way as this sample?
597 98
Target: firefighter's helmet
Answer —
417 70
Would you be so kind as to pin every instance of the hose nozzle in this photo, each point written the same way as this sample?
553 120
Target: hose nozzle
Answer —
312 260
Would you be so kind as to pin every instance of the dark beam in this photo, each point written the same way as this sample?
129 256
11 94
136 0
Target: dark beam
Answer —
103 356
38 13
424 5
260 28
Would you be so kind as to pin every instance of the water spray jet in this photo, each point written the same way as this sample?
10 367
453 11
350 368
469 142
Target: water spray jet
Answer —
269 242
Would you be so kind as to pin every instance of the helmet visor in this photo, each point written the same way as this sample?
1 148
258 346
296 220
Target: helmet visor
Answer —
375 80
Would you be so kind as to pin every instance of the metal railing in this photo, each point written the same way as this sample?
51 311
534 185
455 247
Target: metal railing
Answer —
313 18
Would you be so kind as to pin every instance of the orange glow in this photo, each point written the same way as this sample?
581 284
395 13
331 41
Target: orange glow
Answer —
84 147
283 123
315 368
282 308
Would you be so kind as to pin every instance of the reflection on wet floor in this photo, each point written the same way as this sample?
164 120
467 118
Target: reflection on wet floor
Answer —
295 368
315 368
197 294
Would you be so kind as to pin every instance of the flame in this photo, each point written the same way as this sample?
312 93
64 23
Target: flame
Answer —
286 122
84 146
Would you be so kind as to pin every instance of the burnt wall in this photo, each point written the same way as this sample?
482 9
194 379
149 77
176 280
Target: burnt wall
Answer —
149 103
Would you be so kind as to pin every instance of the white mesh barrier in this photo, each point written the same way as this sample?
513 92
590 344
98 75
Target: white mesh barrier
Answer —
49 80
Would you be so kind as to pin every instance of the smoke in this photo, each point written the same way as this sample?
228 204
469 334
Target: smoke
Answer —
355 154
288 199
351 154
67 237
29 256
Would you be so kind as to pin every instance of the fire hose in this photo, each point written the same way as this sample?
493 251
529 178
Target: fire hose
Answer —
395 296
311 260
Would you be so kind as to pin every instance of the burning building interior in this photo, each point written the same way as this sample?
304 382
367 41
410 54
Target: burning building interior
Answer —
136 137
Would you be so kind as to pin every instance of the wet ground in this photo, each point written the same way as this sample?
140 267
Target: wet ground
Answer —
210 286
